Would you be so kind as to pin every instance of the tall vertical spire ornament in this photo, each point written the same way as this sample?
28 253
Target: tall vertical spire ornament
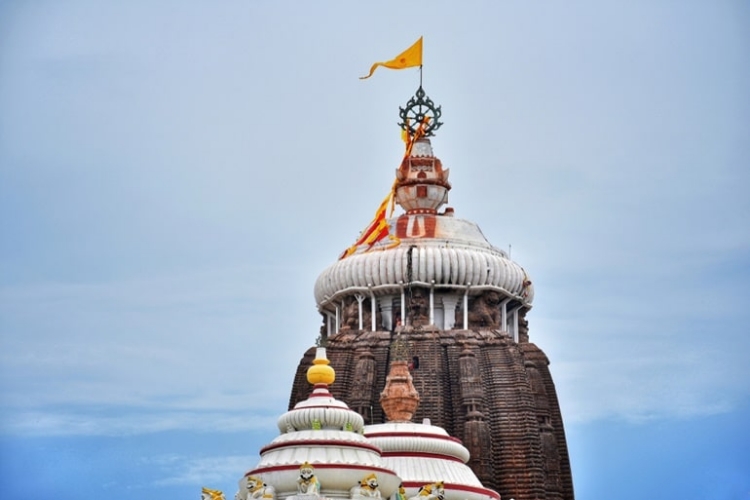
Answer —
420 118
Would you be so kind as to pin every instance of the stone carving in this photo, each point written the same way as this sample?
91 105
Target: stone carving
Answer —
419 312
363 383
257 489
431 491
484 311
350 314
367 487
322 338
308 484
526 285
513 453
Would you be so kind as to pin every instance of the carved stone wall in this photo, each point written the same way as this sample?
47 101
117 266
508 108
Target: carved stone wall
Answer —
480 386
558 462
363 384
476 428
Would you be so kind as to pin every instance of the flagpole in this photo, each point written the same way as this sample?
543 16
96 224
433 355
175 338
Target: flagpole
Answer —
420 75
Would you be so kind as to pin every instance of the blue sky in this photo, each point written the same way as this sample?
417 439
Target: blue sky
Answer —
174 176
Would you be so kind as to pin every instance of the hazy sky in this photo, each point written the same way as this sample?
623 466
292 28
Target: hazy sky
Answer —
175 175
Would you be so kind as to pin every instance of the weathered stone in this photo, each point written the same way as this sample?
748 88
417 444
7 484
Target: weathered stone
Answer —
495 395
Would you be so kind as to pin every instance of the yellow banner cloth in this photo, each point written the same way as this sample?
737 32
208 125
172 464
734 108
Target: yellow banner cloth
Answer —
407 59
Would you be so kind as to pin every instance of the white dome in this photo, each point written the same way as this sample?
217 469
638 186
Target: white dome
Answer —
323 410
325 433
453 255
424 454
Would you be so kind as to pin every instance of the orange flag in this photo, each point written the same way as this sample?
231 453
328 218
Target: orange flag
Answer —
407 59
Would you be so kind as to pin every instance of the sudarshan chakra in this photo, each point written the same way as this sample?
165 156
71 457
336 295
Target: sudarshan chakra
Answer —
420 110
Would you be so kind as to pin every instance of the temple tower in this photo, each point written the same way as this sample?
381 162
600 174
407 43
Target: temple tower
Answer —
458 304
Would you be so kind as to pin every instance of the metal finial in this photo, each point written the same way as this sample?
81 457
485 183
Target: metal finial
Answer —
417 109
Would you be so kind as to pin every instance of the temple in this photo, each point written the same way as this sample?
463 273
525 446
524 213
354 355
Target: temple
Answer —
325 450
425 321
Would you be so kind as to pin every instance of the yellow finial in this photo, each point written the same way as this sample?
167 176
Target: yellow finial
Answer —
320 372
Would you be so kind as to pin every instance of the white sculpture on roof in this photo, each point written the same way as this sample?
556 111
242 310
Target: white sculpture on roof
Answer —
367 488
259 490
308 484
431 491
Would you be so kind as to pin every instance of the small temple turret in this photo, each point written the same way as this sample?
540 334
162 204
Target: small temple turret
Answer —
321 451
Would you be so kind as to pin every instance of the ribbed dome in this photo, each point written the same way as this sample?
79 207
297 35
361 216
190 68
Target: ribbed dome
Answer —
453 254
321 410
408 437
422 453
323 434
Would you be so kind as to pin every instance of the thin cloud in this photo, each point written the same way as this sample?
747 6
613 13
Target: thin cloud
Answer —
129 422
205 470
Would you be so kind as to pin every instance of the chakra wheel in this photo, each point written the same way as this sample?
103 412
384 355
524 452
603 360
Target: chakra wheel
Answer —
419 108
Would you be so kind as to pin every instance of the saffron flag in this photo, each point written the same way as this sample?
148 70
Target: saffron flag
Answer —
375 231
378 228
407 59
377 223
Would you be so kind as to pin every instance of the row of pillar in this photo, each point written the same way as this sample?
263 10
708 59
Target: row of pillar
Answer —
508 318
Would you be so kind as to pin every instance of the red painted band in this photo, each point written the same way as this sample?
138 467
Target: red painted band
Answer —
276 468
320 442
416 454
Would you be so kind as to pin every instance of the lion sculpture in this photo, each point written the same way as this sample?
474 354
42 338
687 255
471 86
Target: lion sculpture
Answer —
418 308
367 487
257 489
484 311
350 314
431 491
308 484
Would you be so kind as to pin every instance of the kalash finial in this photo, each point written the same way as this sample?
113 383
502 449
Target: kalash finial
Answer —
399 398
420 117
320 372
